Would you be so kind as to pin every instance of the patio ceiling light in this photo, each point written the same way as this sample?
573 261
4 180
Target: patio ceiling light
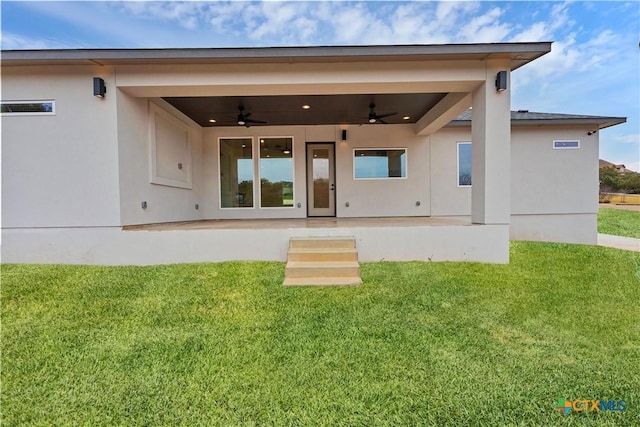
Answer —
212 120
306 107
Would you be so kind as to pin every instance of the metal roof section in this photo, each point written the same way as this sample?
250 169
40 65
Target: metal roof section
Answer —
519 53
526 117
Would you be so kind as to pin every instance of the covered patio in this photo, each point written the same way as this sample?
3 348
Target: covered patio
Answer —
283 223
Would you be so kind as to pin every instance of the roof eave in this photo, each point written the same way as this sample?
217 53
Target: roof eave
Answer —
601 122
519 53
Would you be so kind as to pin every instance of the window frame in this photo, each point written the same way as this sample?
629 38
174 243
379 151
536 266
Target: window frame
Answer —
406 152
253 174
566 148
30 113
458 144
293 172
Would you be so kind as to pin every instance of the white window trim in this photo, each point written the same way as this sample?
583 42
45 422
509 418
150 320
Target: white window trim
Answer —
565 140
253 175
353 160
155 110
35 113
458 165
293 164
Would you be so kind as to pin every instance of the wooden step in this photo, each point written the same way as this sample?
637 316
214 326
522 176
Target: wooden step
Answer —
322 261
322 281
322 243
322 255
322 269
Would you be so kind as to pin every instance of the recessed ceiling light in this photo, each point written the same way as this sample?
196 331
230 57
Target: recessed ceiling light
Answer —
406 118
286 152
244 145
262 141
212 120
306 106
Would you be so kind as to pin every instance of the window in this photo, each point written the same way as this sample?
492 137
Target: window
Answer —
373 163
464 164
276 172
27 108
236 173
566 145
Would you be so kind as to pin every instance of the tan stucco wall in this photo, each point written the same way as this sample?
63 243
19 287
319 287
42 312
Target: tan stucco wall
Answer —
554 193
89 165
367 198
383 197
551 181
301 78
60 170
164 203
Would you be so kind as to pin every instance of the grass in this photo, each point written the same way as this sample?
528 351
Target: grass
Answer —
619 222
417 344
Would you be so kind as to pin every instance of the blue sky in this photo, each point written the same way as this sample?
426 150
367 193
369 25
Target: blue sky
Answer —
594 66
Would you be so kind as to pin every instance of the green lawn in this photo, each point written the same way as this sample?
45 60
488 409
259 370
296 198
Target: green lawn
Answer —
417 344
619 222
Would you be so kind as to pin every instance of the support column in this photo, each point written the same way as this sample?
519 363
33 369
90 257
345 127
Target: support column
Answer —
491 149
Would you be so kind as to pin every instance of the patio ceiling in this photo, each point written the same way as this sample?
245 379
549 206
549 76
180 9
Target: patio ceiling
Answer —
288 110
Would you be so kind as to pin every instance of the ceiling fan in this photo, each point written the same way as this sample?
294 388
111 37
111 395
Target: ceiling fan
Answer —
377 118
243 118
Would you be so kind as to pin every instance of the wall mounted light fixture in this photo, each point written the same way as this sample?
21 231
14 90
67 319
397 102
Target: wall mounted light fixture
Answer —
591 132
344 135
501 81
99 89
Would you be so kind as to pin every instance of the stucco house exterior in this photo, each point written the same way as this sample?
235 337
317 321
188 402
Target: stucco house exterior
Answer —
413 150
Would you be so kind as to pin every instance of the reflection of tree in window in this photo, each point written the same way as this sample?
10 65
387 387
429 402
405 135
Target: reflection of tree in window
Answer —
276 172
236 173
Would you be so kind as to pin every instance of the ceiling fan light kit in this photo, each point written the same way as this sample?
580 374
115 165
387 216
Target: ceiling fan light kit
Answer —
244 120
243 117
377 118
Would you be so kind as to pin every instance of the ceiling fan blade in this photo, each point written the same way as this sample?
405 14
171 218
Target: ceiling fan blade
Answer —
246 115
253 121
382 116
381 121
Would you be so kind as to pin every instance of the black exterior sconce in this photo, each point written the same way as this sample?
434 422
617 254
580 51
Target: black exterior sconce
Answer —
99 88
501 81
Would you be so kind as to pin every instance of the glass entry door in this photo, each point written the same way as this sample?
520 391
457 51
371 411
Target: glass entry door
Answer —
321 184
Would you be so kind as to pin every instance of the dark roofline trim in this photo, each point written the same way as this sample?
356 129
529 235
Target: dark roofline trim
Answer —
517 51
602 122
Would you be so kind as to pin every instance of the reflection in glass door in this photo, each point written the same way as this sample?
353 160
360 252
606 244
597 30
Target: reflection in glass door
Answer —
321 179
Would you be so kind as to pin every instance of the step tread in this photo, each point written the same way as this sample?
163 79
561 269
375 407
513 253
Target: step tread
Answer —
322 250
322 264
322 281
323 238
322 242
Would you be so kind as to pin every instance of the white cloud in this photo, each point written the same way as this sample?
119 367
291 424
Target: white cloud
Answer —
186 14
485 28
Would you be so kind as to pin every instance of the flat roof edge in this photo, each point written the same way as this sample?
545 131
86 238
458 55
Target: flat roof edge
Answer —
602 122
536 48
